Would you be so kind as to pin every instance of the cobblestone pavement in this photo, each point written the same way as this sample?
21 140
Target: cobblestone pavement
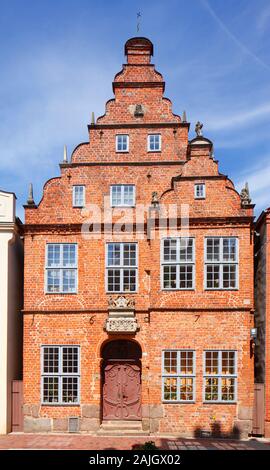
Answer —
87 442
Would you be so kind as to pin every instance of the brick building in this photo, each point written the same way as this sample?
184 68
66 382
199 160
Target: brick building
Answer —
262 323
144 328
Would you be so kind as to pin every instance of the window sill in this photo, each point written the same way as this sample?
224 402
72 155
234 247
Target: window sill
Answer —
177 402
121 292
219 402
177 290
60 293
60 404
121 151
124 207
153 151
221 289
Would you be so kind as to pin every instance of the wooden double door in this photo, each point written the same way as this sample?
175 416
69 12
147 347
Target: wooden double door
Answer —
122 390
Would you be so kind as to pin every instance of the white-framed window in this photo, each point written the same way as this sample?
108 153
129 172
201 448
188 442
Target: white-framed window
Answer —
60 375
61 268
221 263
122 143
122 195
220 376
154 142
178 263
121 267
199 191
78 196
178 375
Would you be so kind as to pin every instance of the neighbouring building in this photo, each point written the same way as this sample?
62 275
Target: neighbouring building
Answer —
262 323
146 329
11 302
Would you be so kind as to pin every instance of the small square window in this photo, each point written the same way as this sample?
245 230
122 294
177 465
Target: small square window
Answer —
199 191
78 196
122 143
154 142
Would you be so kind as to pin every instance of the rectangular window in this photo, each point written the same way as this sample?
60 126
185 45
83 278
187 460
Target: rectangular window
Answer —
123 195
178 263
199 191
154 143
61 268
78 196
221 263
220 376
60 375
122 143
178 375
121 267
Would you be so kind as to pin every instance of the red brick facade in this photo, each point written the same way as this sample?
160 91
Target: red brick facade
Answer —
196 320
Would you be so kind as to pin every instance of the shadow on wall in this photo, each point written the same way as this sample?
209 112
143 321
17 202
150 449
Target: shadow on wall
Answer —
216 431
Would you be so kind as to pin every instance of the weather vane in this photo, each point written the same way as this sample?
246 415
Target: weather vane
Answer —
138 21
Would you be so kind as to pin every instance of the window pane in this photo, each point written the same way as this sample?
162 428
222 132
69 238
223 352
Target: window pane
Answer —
78 196
53 280
114 280
211 389
154 142
170 388
70 360
114 254
70 389
128 195
186 388
129 254
228 362
129 281
122 143
229 276
169 277
53 255
213 249
186 362
229 249
69 280
50 389
211 362
186 277
186 249
169 250
227 389
212 276
50 360
116 195
170 362
199 191
69 255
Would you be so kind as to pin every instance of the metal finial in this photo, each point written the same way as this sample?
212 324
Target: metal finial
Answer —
184 117
198 128
30 199
138 21
93 118
65 160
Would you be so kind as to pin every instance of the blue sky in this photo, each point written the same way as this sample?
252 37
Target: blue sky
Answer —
58 59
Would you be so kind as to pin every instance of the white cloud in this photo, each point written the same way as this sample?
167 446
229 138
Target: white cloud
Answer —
258 178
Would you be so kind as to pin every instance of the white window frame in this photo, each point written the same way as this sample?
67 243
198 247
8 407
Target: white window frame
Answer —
61 268
203 195
221 263
122 186
178 375
121 268
60 374
74 197
220 376
177 263
148 143
116 143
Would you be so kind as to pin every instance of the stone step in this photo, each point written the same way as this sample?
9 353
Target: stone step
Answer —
123 424
121 428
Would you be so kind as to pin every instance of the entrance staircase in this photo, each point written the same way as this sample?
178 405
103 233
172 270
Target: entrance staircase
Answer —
121 428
